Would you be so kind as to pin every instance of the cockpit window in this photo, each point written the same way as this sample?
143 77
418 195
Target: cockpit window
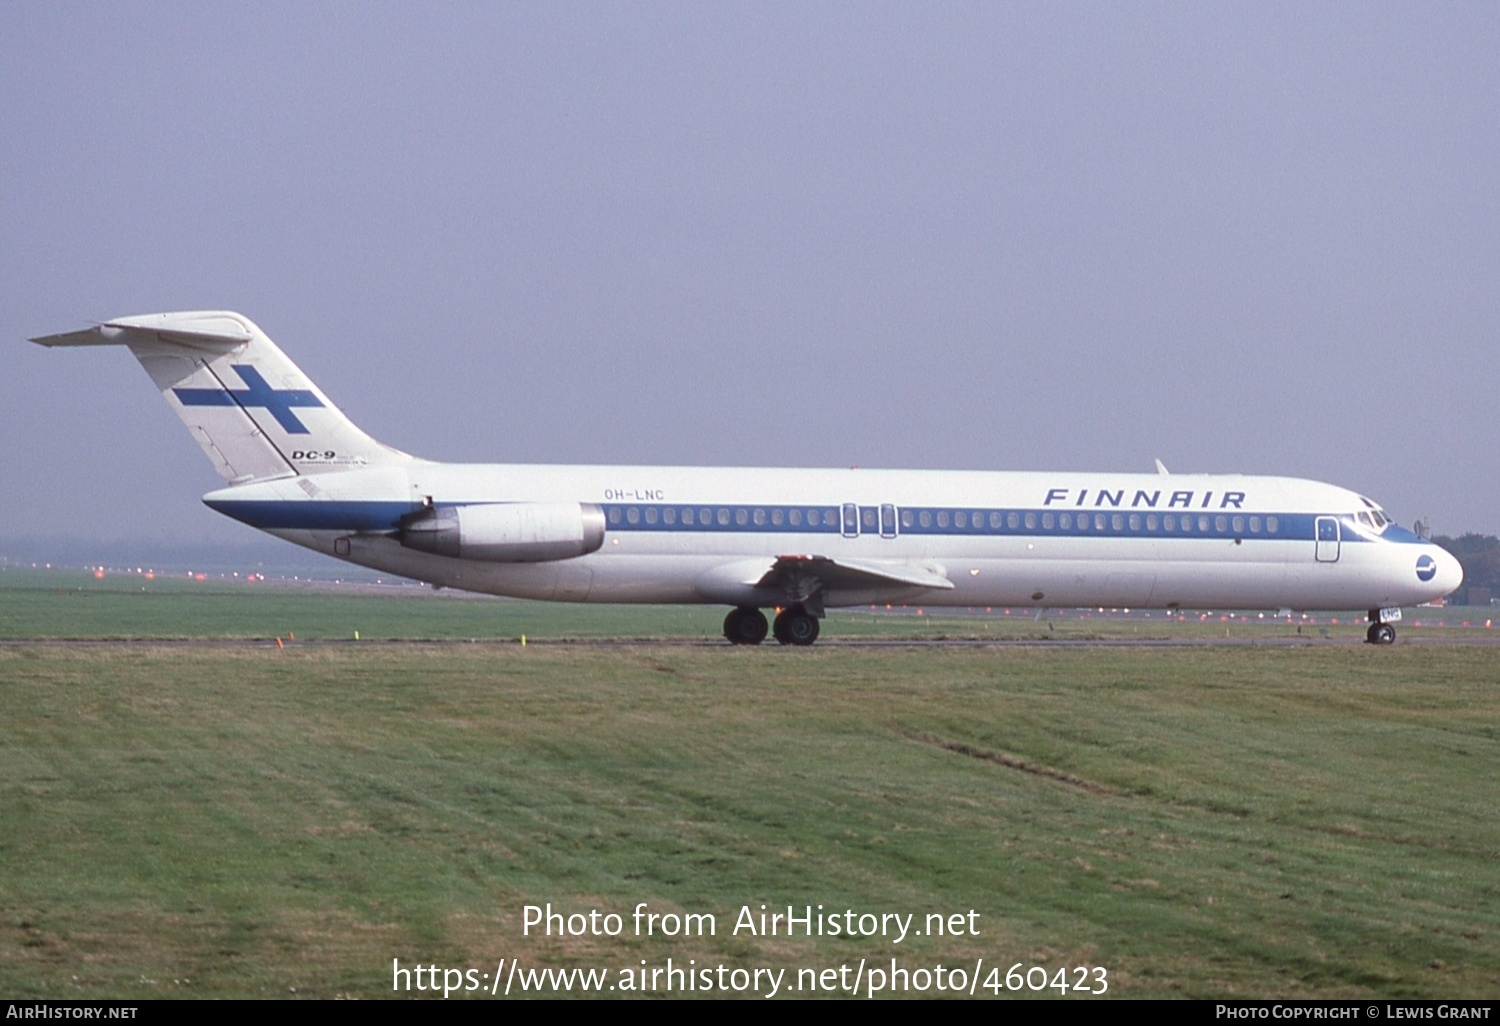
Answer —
1364 518
1378 518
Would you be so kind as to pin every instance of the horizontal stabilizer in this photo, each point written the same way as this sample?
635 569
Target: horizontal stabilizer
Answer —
209 330
87 337
254 414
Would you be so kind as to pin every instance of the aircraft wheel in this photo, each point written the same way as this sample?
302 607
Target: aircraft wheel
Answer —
1382 634
796 626
745 626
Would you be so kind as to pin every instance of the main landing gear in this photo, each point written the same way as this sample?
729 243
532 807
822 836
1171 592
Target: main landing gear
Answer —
1379 633
745 626
794 626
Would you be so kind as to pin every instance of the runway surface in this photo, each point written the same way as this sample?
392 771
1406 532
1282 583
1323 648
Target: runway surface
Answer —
1283 641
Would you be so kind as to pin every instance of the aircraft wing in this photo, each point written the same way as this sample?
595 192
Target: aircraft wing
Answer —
806 575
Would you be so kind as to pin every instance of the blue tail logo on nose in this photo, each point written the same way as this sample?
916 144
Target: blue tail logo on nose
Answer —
258 392
1426 568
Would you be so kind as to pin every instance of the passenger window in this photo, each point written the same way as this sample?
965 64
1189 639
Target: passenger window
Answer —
906 518
614 514
723 517
741 517
1012 521
651 514
1202 524
1238 523
1151 521
1098 521
1030 521
1135 521
960 519
925 518
1220 524
867 517
942 518
687 514
777 516
1066 520
760 518
1255 525
1271 525
1083 521
1169 523
633 515
995 521
1047 521
1117 522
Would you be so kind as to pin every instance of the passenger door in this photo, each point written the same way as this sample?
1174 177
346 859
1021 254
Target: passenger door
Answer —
1328 540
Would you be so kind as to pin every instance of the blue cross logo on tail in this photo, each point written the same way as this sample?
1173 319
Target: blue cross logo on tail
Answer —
277 401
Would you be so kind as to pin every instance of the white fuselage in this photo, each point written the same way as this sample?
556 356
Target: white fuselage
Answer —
798 540
1014 539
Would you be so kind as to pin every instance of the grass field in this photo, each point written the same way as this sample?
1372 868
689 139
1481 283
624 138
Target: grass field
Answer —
36 604
1211 822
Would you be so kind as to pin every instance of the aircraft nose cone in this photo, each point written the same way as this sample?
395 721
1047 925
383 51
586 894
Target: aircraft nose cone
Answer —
1449 573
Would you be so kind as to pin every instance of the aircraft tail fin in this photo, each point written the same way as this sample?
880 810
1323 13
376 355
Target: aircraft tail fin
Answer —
252 411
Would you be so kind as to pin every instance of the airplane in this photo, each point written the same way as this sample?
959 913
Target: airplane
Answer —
798 541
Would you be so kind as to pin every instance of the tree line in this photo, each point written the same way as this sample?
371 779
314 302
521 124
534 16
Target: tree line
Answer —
1479 554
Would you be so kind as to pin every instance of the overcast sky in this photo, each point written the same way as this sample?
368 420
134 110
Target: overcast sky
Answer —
1238 237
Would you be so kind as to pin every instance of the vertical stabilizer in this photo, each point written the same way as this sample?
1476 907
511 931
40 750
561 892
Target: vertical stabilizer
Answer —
251 410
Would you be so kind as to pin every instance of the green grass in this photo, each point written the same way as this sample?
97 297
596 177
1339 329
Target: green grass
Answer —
36 604
1248 822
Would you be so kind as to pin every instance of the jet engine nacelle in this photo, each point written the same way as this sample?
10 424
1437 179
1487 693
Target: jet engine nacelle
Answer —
507 532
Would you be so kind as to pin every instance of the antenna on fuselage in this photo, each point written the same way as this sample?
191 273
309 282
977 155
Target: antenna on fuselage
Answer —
1161 468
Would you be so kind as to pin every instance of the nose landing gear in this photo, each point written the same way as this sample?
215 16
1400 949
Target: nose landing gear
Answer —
1380 633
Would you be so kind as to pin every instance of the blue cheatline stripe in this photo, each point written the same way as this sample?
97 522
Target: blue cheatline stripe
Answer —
724 519
277 401
949 521
315 515
322 515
